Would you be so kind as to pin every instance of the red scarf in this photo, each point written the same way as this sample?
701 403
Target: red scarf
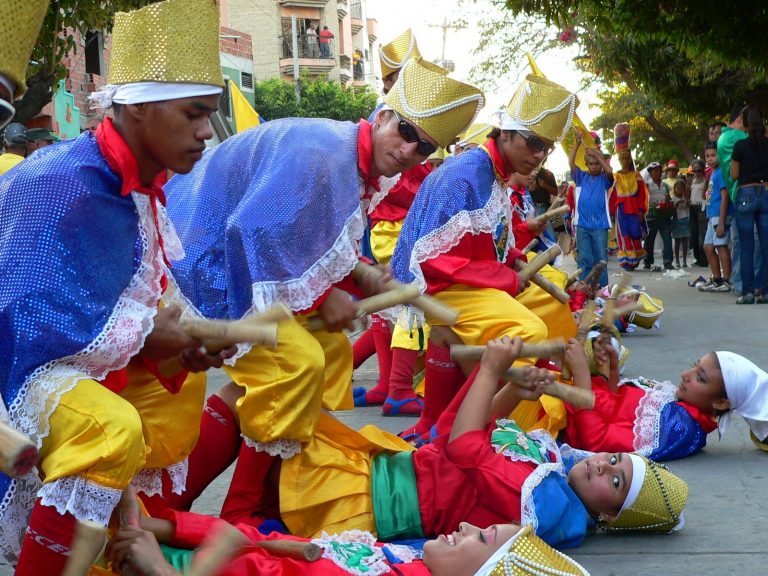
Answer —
497 160
706 421
122 161
365 157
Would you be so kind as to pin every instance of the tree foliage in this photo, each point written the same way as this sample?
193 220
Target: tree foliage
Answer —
56 40
320 98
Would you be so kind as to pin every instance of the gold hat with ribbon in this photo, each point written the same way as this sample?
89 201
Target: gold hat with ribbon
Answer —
475 134
20 21
542 107
394 55
659 504
175 41
426 97
529 555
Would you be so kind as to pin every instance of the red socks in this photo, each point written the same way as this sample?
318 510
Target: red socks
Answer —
402 400
383 340
249 496
363 348
47 542
443 380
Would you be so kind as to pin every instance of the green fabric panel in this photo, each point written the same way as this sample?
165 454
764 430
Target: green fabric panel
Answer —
395 499
179 558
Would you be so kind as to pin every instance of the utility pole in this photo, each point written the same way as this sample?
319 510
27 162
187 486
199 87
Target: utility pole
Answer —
447 64
295 47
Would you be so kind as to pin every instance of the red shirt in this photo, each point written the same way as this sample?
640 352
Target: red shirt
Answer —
395 205
325 36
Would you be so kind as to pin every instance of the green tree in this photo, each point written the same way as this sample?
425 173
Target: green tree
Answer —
56 40
320 98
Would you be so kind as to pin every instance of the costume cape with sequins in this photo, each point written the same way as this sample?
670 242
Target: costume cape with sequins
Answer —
81 269
462 197
271 214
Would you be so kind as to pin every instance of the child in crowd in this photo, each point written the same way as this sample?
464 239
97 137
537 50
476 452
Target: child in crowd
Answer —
718 237
658 419
682 228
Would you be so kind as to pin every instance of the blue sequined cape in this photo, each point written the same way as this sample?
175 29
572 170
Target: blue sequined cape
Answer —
271 214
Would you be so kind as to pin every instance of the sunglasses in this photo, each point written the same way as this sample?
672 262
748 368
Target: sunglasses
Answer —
7 112
536 144
409 134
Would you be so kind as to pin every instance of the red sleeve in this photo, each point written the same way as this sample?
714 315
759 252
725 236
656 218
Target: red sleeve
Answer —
642 196
171 383
570 200
472 262
347 284
523 235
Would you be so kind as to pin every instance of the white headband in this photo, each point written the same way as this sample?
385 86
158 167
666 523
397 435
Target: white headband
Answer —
746 386
638 477
142 92
509 123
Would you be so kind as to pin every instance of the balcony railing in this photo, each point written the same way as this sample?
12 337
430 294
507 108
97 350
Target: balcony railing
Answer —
308 47
356 10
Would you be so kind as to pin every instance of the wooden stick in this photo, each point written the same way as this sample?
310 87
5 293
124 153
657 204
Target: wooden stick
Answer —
573 278
551 213
541 260
626 309
588 318
609 315
292 549
87 544
530 245
576 397
551 288
18 454
433 309
594 275
222 547
403 294
548 349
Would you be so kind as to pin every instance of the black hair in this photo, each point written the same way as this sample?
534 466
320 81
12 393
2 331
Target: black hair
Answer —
496 132
735 113
752 116
719 123
710 146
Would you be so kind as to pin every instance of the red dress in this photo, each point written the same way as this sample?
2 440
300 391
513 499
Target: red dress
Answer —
394 206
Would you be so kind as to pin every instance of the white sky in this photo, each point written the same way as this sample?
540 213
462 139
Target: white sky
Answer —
425 18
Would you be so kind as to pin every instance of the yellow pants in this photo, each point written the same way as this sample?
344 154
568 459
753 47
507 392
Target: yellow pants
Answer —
557 316
107 438
384 237
286 387
486 314
328 486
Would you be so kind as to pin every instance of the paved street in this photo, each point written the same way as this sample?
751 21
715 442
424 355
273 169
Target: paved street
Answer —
727 511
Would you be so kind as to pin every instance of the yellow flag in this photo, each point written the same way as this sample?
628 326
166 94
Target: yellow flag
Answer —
245 116
570 141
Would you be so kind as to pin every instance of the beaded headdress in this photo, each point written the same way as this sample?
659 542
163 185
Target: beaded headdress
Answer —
542 107
658 506
176 41
438 154
621 133
20 21
394 55
475 134
525 554
426 97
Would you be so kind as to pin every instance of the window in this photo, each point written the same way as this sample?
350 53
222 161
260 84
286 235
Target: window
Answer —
246 80
94 47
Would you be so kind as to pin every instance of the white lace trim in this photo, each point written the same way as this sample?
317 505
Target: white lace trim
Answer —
541 437
85 500
528 511
647 428
481 221
150 480
121 338
281 447
373 565
385 187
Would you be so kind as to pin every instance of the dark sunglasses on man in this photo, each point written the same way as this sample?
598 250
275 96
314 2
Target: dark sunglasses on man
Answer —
536 144
7 112
409 134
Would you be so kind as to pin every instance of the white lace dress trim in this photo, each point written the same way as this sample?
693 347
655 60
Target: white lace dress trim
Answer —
481 221
281 447
85 500
122 337
334 545
385 187
150 480
647 428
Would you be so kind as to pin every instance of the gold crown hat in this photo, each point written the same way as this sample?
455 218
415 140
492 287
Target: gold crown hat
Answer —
650 311
475 134
438 154
525 554
394 55
425 96
176 41
542 107
657 505
20 21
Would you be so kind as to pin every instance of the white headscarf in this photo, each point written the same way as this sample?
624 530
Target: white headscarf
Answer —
638 477
142 92
746 386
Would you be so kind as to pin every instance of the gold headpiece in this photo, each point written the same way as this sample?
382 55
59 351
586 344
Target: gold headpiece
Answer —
426 97
475 134
651 308
529 555
543 107
20 21
172 41
394 55
438 154
659 504
623 352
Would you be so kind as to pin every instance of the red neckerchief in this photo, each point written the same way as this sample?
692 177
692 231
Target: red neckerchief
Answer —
365 156
496 160
121 159
707 422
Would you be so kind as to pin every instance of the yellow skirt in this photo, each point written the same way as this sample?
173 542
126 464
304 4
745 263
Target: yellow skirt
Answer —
327 487
384 237
557 316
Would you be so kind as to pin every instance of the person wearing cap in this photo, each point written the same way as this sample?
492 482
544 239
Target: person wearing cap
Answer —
394 55
16 141
84 271
259 229
456 244
40 138
21 21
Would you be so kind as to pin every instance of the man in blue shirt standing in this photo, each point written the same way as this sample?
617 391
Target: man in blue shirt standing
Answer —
589 209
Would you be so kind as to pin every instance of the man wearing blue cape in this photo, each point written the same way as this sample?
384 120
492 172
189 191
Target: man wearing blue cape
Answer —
83 262
276 214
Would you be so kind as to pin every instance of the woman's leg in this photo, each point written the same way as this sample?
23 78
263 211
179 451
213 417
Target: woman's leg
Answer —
745 222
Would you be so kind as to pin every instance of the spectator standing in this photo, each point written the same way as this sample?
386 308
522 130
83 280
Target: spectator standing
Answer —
715 130
749 170
696 185
589 209
15 137
681 230
312 45
325 42
720 214
659 217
